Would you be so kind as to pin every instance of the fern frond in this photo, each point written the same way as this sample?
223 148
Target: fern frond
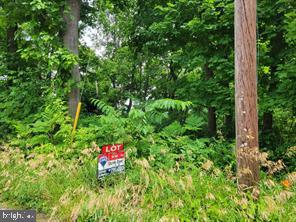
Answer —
156 117
170 104
174 129
106 109
194 123
136 114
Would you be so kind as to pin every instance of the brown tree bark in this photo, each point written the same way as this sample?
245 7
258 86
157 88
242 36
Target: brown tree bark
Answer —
247 150
70 38
212 121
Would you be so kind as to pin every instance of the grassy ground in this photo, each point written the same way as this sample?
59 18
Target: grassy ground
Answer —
68 191
40 217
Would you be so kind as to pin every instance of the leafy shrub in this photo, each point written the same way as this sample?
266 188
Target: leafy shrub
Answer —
164 144
46 129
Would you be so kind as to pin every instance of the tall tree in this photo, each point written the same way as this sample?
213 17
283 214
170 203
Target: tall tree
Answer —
246 93
212 123
70 38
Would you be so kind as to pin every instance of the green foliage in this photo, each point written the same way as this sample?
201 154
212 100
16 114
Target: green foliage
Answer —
44 130
174 129
162 66
170 104
194 123
106 109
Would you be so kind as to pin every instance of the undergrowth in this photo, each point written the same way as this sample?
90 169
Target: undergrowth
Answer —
68 190
172 174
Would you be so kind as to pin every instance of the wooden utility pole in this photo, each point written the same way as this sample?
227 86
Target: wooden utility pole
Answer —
247 150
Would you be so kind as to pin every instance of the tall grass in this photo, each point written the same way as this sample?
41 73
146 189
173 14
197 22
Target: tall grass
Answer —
68 191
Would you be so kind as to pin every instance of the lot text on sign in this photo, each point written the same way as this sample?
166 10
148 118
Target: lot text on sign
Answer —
112 148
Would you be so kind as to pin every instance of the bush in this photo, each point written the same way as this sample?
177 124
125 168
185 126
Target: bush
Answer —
44 130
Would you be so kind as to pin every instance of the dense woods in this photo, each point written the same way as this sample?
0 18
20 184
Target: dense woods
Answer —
162 78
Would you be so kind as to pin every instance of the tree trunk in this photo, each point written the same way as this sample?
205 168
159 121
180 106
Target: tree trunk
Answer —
229 126
11 52
172 78
146 87
72 17
212 126
141 74
97 89
212 122
267 122
247 150
11 43
130 105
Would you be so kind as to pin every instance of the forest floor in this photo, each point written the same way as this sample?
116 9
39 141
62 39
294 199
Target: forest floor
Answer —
67 190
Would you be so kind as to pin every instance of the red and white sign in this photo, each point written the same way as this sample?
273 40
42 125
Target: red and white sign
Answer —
112 148
111 160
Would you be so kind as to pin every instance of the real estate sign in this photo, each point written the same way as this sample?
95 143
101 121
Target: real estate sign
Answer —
111 160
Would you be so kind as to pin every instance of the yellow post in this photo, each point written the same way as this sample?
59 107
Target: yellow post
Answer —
76 121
